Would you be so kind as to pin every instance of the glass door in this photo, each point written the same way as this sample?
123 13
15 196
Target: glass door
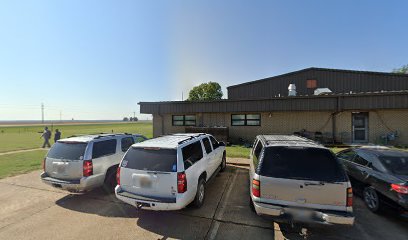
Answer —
360 127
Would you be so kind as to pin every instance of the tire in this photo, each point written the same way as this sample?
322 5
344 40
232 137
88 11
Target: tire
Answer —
110 181
251 205
371 199
200 195
223 165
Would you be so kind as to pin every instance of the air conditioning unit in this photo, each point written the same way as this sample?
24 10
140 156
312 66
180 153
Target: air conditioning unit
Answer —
320 91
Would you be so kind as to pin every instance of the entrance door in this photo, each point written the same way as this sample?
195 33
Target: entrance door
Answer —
360 127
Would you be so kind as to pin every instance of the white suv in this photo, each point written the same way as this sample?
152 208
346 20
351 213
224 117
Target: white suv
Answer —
81 163
170 172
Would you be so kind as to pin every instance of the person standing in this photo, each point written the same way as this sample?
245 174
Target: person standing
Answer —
46 135
57 135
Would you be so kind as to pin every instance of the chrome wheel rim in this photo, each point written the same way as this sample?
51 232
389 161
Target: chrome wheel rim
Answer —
201 193
371 198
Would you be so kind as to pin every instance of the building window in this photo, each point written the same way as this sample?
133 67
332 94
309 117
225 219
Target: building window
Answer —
311 83
184 120
246 120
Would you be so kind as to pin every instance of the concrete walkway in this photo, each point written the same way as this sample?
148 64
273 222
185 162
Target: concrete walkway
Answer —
238 161
24 150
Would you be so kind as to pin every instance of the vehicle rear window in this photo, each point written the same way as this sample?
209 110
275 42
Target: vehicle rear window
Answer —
63 150
396 165
151 159
301 163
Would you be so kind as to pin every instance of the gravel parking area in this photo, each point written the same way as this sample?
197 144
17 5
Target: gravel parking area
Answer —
32 210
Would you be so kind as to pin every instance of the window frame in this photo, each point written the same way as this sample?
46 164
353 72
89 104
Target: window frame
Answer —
209 144
121 143
184 120
246 120
256 157
107 154
193 161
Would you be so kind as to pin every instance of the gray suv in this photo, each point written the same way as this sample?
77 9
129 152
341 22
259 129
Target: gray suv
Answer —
297 180
82 163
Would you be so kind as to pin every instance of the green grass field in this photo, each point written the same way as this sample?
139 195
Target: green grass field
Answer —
236 151
18 163
27 137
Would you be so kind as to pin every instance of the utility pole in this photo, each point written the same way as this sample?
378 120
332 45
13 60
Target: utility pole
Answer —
134 115
42 113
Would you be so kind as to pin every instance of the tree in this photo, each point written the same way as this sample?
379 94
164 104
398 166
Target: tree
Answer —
135 119
205 91
402 70
125 119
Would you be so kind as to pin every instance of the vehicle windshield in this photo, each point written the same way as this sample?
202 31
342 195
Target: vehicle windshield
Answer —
314 164
151 159
395 164
67 150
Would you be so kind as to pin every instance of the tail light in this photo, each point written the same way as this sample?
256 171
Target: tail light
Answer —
181 182
118 175
399 188
256 188
349 197
43 164
87 168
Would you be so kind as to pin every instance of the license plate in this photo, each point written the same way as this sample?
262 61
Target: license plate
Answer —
142 204
301 214
59 168
145 182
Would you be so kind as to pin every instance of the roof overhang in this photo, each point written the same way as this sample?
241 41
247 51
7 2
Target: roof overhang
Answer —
333 103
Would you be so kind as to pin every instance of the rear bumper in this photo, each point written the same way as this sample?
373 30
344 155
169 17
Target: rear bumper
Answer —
150 203
285 214
79 185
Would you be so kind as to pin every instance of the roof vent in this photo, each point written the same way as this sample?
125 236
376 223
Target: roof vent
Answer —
292 90
320 91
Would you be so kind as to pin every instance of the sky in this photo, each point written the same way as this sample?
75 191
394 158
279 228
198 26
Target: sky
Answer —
95 60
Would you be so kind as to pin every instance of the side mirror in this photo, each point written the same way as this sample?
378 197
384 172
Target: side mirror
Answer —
221 144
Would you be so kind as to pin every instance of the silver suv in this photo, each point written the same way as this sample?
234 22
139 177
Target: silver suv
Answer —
81 163
170 172
293 179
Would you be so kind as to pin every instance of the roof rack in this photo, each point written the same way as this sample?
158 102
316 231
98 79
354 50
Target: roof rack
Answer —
191 137
290 139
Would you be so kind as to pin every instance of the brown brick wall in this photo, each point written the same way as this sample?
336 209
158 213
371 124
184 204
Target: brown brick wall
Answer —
380 122
385 121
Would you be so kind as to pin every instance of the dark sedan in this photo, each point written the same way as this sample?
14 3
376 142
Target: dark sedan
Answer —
380 173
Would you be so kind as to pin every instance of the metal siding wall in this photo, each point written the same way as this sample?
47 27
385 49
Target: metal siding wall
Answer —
337 81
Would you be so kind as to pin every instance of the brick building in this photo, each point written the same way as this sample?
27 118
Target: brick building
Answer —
361 107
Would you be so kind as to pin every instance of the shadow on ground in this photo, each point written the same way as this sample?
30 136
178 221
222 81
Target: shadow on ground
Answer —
233 215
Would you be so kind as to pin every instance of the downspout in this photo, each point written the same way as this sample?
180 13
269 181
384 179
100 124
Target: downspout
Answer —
333 115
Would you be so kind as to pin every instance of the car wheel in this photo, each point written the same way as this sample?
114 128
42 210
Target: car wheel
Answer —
371 199
200 195
251 205
223 162
110 181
